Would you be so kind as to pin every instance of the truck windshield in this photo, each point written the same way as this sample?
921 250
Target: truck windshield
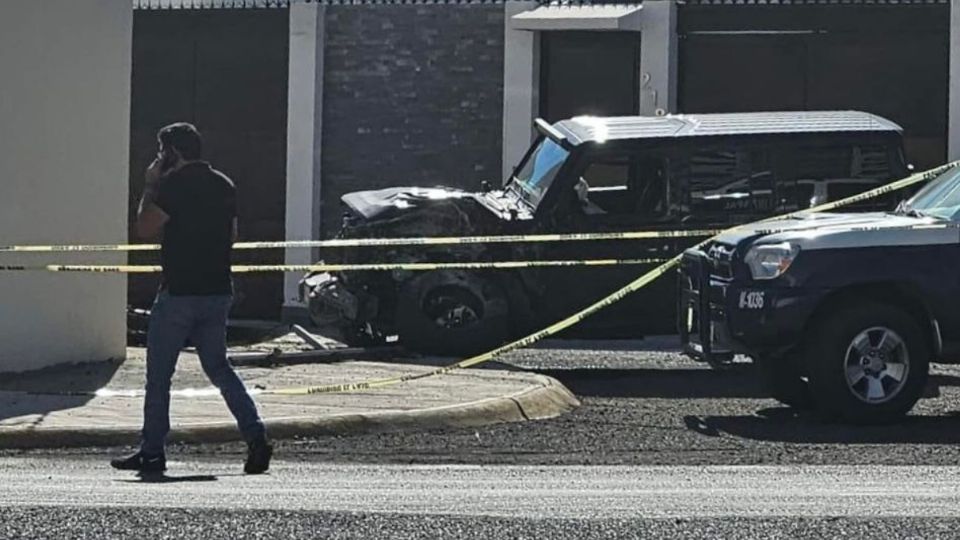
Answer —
940 198
535 175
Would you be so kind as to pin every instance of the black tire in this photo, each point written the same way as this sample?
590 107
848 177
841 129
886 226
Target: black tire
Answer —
783 382
833 348
452 314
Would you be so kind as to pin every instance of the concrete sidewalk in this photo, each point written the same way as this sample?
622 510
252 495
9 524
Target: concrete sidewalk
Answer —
43 409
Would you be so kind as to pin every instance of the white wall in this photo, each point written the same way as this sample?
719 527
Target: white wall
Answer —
304 144
658 58
521 86
64 145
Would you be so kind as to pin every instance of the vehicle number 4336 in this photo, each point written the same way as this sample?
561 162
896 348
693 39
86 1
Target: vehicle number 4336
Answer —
751 299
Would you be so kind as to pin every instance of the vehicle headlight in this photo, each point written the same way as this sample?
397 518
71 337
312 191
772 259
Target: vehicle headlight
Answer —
770 261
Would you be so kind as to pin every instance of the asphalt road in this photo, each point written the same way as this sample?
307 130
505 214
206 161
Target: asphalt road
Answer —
662 447
80 498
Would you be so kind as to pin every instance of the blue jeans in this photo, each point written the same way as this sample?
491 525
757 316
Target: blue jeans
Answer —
202 320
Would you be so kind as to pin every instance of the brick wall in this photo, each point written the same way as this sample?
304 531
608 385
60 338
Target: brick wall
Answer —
413 95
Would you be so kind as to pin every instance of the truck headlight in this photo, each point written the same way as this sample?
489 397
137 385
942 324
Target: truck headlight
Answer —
770 261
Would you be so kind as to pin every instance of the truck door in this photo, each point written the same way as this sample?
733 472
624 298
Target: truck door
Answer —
616 192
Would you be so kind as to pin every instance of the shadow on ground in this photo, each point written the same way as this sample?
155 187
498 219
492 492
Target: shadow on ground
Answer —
52 389
660 383
786 425
164 478
740 381
774 424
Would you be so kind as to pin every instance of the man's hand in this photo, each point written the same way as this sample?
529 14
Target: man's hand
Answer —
150 218
154 171
151 179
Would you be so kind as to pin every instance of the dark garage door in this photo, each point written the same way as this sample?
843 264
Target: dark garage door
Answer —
890 60
225 71
589 73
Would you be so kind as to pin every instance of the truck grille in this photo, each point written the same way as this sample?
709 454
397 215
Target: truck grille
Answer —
721 260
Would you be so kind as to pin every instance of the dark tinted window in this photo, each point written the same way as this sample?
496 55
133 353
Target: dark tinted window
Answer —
871 161
627 185
608 174
815 174
726 184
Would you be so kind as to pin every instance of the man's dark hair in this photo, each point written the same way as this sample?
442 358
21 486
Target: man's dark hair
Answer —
184 138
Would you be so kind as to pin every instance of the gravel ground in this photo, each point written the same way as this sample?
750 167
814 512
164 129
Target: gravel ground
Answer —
115 523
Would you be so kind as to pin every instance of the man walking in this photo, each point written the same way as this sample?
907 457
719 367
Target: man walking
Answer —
194 207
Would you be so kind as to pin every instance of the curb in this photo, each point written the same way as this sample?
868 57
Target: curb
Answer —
548 399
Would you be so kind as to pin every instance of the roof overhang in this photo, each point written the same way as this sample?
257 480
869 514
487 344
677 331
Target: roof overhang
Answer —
209 4
613 17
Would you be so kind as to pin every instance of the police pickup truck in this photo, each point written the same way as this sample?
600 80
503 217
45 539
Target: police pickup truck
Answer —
841 312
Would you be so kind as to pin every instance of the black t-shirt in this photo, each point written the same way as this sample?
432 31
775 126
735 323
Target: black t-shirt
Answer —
198 238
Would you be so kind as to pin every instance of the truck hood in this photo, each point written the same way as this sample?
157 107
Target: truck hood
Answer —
386 203
838 231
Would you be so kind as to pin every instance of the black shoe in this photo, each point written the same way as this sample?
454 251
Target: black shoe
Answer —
140 462
259 453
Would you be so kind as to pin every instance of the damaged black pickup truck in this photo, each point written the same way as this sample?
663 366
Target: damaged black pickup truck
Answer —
842 312
588 174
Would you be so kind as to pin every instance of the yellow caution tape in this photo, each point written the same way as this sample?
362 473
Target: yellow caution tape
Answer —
413 267
384 242
462 240
880 191
613 298
131 269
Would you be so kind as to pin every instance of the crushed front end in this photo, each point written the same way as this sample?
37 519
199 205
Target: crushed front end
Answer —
362 305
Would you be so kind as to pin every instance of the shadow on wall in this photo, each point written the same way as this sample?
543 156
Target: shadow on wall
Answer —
27 398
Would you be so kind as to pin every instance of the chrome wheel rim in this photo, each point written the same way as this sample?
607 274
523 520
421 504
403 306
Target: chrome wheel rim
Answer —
877 365
452 307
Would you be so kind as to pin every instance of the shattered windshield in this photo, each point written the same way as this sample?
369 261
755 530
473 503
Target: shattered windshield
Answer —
537 173
940 198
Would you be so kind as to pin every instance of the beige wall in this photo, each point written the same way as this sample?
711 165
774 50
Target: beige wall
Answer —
64 131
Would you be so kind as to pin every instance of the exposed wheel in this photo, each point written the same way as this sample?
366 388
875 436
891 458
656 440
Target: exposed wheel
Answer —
452 313
784 383
867 364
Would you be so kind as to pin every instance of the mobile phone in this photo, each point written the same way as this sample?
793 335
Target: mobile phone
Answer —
167 160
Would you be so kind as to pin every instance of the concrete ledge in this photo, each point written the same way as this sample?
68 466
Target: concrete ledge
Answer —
619 17
547 399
